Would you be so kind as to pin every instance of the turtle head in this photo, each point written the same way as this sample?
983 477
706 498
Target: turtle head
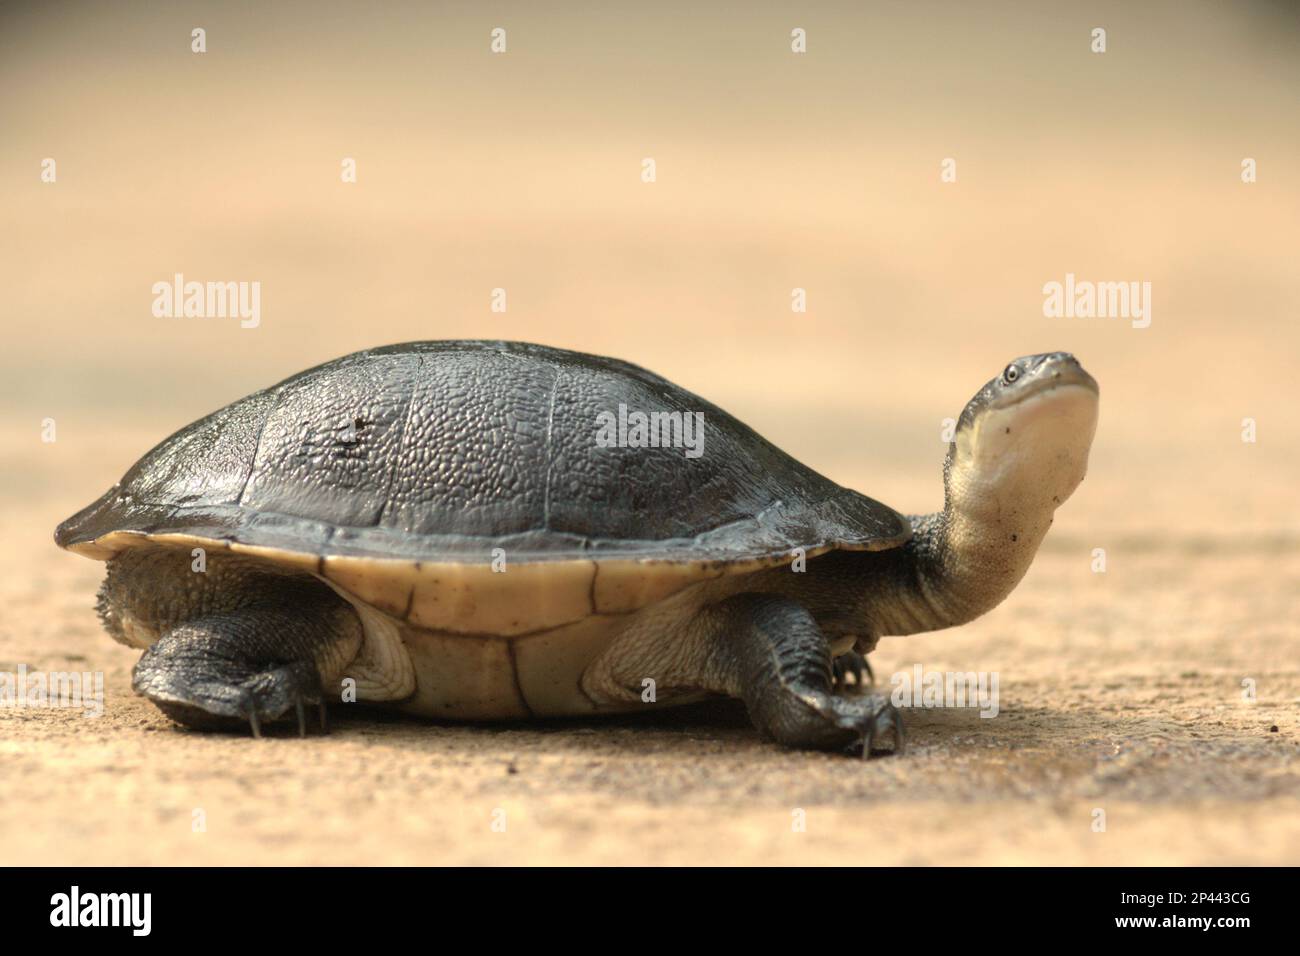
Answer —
1021 445
1019 450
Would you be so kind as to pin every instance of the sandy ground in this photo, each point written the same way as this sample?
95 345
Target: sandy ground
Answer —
1099 711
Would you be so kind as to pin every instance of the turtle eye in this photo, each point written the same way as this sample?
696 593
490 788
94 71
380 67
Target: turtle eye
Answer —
1010 374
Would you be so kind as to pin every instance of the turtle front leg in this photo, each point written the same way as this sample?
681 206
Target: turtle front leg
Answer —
771 654
249 666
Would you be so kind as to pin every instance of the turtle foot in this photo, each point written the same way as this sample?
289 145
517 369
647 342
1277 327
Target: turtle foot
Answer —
781 666
269 695
872 719
201 689
856 665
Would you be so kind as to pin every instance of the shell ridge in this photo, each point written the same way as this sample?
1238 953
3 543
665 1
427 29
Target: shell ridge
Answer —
550 451
257 444
401 439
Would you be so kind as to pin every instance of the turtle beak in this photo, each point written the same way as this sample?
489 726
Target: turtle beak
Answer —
1062 368
1042 373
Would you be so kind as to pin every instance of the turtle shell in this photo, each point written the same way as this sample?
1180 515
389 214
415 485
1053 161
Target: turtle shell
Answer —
412 476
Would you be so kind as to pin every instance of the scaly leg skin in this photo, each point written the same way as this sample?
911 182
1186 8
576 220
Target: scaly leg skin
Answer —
247 667
241 643
773 656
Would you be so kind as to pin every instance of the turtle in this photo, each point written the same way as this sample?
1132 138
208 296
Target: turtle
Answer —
490 530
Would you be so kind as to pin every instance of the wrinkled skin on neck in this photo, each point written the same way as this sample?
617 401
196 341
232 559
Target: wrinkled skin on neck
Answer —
1020 451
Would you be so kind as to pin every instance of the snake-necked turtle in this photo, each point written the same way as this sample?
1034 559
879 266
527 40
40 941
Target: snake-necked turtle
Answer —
473 529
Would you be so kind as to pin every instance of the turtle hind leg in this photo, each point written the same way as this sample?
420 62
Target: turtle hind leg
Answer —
240 643
855 665
771 654
244 668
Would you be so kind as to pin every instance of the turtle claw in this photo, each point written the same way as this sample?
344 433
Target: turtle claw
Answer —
895 724
248 708
857 722
851 662
270 695
881 718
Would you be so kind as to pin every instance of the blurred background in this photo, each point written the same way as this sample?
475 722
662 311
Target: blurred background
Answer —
775 171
